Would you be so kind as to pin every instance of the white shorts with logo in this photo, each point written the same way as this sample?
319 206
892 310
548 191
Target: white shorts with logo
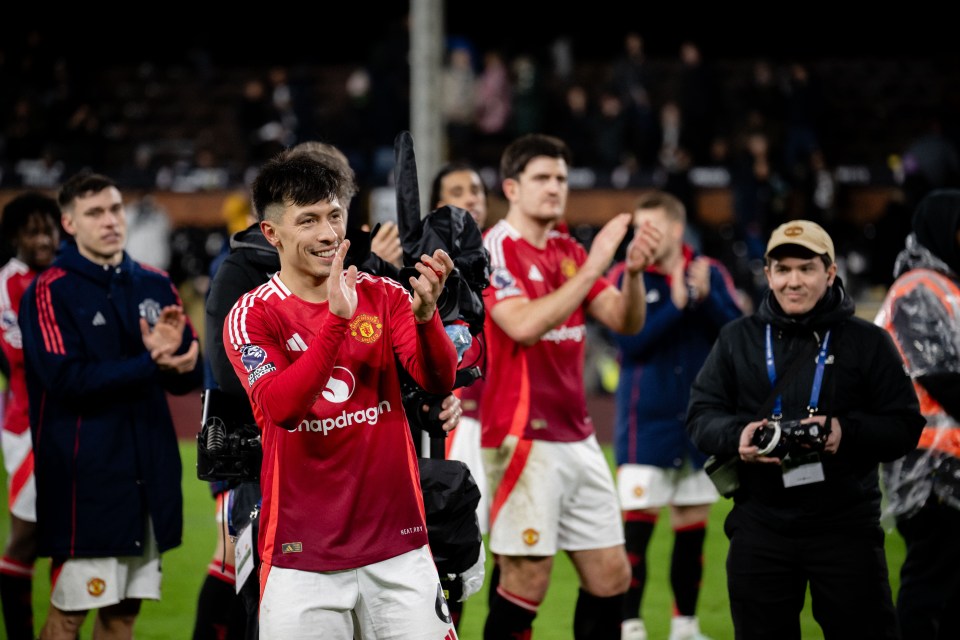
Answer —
93 583
21 483
563 497
396 599
641 486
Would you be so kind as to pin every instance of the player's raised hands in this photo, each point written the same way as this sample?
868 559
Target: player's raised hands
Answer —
165 337
427 287
604 244
642 250
342 291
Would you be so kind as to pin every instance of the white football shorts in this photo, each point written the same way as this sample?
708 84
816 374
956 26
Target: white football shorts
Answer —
641 486
550 496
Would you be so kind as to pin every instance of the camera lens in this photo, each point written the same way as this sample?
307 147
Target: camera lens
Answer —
767 437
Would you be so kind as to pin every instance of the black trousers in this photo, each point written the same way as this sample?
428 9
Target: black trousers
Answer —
928 603
768 573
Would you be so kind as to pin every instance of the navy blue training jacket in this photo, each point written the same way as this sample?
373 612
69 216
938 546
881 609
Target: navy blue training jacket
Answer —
105 448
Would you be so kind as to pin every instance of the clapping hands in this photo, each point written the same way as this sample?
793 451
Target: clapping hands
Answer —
164 339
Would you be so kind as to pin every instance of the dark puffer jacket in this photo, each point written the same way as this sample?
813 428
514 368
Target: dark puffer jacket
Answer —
864 387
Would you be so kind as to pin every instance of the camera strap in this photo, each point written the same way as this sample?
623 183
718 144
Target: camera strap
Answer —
780 381
777 382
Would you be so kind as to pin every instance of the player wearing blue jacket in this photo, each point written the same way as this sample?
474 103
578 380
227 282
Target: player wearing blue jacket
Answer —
689 297
104 339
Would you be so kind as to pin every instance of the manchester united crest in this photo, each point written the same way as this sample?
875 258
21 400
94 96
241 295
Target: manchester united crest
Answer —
568 267
96 586
366 328
531 537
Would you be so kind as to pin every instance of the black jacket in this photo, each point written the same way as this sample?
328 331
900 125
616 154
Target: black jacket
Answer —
251 262
864 386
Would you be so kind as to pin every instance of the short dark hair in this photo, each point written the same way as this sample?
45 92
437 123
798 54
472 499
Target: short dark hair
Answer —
17 213
300 179
657 199
445 170
85 181
521 151
326 152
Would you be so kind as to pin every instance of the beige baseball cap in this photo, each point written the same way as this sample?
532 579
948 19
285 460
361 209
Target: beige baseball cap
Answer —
804 233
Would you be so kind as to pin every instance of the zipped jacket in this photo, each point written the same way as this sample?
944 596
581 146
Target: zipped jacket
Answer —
106 453
864 386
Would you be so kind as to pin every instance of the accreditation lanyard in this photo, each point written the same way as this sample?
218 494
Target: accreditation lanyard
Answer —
817 378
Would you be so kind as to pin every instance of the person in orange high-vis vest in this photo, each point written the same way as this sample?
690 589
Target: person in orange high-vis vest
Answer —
921 312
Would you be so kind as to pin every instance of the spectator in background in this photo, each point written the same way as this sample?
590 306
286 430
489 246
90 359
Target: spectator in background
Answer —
628 77
536 431
673 156
930 161
148 232
287 100
699 100
389 96
261 124
803 111
529 99
760 102
494 97
458 95
758 189
807 517
921 311
573 123
30 227
609 132
24 130
689 298
105 339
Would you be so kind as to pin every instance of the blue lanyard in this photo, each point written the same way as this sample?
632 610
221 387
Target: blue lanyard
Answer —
817 378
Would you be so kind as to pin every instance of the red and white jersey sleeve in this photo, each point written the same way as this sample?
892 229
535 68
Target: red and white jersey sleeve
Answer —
340 479
536 392
15 276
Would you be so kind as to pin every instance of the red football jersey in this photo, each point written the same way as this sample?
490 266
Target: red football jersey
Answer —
536 392
15 276
340 481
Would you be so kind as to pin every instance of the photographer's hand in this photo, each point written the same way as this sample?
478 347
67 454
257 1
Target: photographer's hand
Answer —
386 243
450 415
750 452
833 437
428 286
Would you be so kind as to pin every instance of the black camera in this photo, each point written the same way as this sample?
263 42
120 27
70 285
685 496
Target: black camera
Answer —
781 437
228 445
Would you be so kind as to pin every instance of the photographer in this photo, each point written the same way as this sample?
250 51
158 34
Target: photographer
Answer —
811 517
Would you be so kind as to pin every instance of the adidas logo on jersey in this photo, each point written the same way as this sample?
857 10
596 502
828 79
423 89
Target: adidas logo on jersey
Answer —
99 320
296 343
534 274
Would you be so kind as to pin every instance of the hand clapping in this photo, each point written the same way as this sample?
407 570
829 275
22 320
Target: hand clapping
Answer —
428 286
165 338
